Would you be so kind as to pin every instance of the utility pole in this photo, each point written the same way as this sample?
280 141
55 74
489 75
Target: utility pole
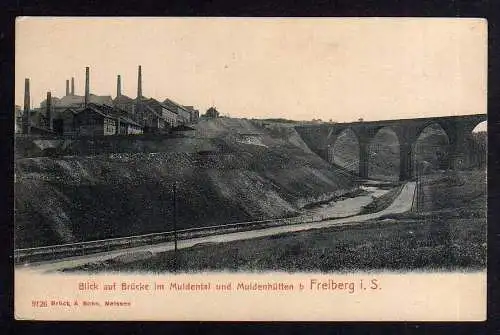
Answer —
414 202
413 209
418 189
420 198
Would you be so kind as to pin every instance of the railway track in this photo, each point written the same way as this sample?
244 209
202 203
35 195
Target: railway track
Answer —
59 251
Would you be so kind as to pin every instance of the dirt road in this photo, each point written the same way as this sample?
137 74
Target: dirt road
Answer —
400 205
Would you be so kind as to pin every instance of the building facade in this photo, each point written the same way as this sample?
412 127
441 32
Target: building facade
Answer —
95 120
167 113
154 121
194 114
125 103
183 114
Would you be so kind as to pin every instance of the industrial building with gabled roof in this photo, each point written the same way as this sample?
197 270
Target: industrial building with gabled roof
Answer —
169 115
101 115
183 114
71 100
122 101
104 120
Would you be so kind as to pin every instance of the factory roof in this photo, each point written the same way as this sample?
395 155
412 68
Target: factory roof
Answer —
152 102
152 111
111 112
168 101
75 100
123 98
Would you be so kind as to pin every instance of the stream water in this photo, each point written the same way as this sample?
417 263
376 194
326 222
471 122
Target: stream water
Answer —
348 206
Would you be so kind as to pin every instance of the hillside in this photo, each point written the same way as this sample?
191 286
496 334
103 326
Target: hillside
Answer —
227 170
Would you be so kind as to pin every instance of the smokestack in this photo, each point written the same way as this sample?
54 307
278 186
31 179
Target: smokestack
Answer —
139 113
26 94
139 84
72 86
26 106
67 87
49 110
87 88
118 86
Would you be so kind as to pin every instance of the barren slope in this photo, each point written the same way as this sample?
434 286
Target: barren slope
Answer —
228 170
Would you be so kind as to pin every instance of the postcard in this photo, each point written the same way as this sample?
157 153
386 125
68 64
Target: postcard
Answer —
260 169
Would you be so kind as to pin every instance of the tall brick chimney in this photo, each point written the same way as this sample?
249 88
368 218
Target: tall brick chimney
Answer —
72 86
118 86
87 88
49 110
139 113
67 87
26 114
139 83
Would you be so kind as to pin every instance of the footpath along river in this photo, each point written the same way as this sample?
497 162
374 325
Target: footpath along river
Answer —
401 204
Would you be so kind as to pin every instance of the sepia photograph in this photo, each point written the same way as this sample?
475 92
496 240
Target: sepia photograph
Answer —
232 160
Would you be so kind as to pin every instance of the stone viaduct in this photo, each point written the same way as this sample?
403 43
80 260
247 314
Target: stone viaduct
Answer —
321 138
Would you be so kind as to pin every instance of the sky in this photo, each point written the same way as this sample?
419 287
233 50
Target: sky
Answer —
295 68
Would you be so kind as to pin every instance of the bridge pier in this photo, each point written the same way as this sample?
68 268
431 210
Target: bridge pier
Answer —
363 158
459 136
405 162
459 157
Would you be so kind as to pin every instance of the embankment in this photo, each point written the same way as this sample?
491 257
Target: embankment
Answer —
227 170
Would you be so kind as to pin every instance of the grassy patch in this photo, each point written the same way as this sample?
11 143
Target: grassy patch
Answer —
438 242
463 191
449 236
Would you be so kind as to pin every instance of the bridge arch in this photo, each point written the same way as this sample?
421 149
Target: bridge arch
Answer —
481 126
479 145
343 149
459 130
431 149
383 153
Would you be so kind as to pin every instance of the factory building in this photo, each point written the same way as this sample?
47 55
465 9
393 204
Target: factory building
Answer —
124 124
71 100
85 117
122 101
34 122
153 115
92 122
104 120
64 122
91 114
168 115
194 114
183 114
95 120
